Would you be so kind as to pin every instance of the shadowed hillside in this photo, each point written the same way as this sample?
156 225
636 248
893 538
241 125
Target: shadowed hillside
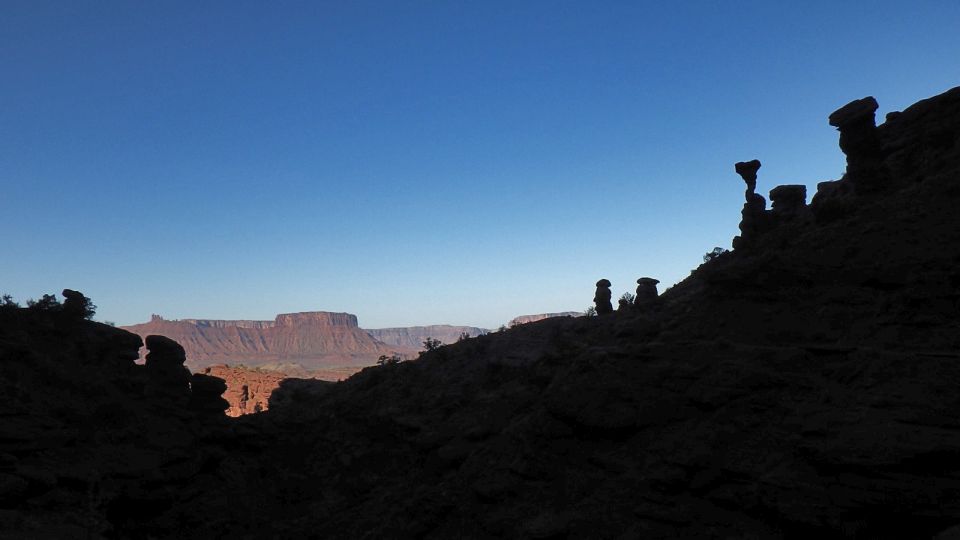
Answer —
801 386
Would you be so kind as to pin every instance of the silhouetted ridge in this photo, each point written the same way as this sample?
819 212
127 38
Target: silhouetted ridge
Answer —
801 386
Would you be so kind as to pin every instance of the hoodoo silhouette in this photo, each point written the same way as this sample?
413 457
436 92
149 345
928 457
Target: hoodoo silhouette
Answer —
802 387
646 293
860 141
602 298
754 214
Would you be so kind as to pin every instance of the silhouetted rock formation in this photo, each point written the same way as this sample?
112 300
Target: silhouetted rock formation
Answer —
167 378
205 392
602 297
646 293
83 452
754 220
76 305
788 202
806 388
860 141
748 171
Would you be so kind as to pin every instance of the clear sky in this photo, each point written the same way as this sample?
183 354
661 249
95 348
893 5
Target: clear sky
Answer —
418 162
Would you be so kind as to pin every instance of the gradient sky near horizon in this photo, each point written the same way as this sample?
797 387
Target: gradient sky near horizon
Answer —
418 162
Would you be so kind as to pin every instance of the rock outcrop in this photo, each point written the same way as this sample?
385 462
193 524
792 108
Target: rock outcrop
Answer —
91 443
754 218
788 202
647 294
860 141
168 381
602 298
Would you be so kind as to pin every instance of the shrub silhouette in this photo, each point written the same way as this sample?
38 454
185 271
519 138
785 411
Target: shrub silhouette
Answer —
47 302
6 302
385 360
711 255
431 344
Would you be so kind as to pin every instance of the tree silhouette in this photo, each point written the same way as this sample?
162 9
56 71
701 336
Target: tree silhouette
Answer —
711 255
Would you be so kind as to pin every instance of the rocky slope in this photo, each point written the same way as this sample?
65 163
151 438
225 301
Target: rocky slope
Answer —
801 386
311 340
91 441
412 337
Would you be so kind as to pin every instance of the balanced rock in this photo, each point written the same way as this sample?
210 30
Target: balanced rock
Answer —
753 218
646 292
602 297
748 171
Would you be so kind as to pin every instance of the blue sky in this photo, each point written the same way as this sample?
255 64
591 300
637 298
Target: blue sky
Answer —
417 162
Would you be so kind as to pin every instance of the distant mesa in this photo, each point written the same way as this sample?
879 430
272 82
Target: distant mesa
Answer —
313 340
524 319
412 337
